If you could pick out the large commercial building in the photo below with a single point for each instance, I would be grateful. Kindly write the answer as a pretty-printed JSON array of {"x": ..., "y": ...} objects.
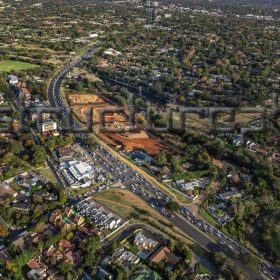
[{"x": 81, "y": 170}]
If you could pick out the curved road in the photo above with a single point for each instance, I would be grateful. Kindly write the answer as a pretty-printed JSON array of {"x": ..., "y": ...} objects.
[{"x": 191, "y": 227}]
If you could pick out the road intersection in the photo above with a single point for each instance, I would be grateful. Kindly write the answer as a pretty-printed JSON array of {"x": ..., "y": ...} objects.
[{"x": 208, "y": 237}]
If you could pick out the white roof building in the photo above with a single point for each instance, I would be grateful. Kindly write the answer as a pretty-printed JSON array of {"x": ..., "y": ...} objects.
[
  {"x": 49, "y": 126},
  {"x": 142, "y": 241},
  {"x": 93, "y": 35},
  {"x": 81, "y": 170},
  {"x": 112, "y": 52},
  {"x": 13, "y": 80}
]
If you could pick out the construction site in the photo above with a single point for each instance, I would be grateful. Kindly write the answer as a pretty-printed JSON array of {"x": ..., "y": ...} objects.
[{"x": 127, "y": 141}]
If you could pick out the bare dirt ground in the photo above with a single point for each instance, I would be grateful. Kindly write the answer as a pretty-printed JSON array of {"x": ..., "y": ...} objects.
[
  {"x": 151, "y": 146},
  {"x": 79, "y": 98}
]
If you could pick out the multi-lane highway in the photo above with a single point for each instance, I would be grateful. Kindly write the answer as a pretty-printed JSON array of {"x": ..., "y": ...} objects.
[{"x": 204, "y": 234}]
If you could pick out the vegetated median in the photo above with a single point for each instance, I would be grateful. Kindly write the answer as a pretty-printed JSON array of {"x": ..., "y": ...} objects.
[
  {"x": 129, "y": 206},
  {"x": 149, "y": 177}
]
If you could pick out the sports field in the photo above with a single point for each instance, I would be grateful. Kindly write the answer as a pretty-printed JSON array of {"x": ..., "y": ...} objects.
[{"x": 8, "y": 65}]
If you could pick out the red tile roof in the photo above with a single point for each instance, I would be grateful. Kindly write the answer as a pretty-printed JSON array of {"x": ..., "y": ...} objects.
[
  {"x": 64, "y": 244},
  {"x": 33, "y": 264},
  {"x": 163, "y": 253}
]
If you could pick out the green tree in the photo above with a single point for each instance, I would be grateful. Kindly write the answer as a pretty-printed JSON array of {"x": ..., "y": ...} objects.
[
  {"x": 65, "y": 267},
  {"x": 176, "y": 163},
  {"x": 158, "y": 88},
  {"x": 62, "y": 197},
  {"x": 16, "y": 147},
  {"x": 173, "y": 206},
  {"x": 39, "y": 155},
  {"x": 161, "y": 158},
  {"x": 90, "y": 249},
  {"x": 3, "y": 230}
]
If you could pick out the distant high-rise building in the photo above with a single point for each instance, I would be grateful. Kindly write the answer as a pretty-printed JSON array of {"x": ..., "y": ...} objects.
[
  {"x": 148, "y": 3},
  {"x": 151, "y": 9},
  {"x": 154, "y": 16}
]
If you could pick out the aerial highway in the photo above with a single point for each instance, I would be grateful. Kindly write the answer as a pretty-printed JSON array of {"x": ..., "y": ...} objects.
[{"x": 208, "y": 237}]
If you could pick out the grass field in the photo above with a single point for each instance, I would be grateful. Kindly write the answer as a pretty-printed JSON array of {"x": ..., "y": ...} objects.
[
  {"x": 33, "y": 47},
  {"x": 125, "y": 203},
  {"x": 129, "y": 206},
  {"x": 8, "y": 65},
  {"x": 46, "y": 172},
  {"x": 193, "y": 120},
  {"x": 91, "y": 77}
]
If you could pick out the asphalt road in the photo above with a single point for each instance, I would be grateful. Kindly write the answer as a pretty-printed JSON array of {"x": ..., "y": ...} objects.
[
  {"x": 208, "y": 244},
  {"x": 139, "y": 185}
]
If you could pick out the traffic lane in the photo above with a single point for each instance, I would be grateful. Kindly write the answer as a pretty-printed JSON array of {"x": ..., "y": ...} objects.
[
  {"x": 213, "y": 232},
  {"x": 209, "y": 245},
  {"x": 193, "y": 233},
  {"x": 269, "y": 271},
  {"x": 56, "y": 92}
]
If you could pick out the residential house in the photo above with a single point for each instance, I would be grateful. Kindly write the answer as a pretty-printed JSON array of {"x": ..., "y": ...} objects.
[
  {"x": 2, "y": 99},
  {"x": 27, "y": 181},
  {"x": 22, "y": 206},
  {"x": 102, "y": 217},
  {"x": 122, "y": 256},
  {"x": 7, "y": 191},
  {"x": 65, "y": 154},
  {"x": 23, "y": 92},
  {"x": 5, "y": 256},
  {"x": 19, "y": 241},
  {"x": 141, "y": 157},
  {"x": 66, "y": 220},
  {"x": 232, "y": 193},
  {"x": 142, "y": 242},
  {"x": 275, "y": 156},
  {"x": 13, "y": 80},
  {"x": 111, "y": 52},
  {"x": 203, "y": 276},
  {"x": 65, "y": 251},
  {"x": 164, "y": 254},
  {"x": 45, "y": 195},
  {"x": 237, "y": 140},
  {"x": 89, "y": 231},
  {"x": 39, "y": 270},
  {"x": 142, "y": 272},
  {"x": 104, "y": 274},
  {"x": 33, "y": 239}
]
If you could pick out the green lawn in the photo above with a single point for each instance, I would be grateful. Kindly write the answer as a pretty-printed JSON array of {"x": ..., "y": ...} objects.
[
  {"x": 46, "y": 172},
  {"x": 208, "y": 218},
  {"x": 2, "y": 221},
  {"x": 132, "y": 248},
  {"x": 15, "y": 186},
  {"x": 8, "y": 65}
]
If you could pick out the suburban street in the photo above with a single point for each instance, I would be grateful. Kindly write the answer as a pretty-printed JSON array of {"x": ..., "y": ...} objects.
[{"x": 208, "y": 237}]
